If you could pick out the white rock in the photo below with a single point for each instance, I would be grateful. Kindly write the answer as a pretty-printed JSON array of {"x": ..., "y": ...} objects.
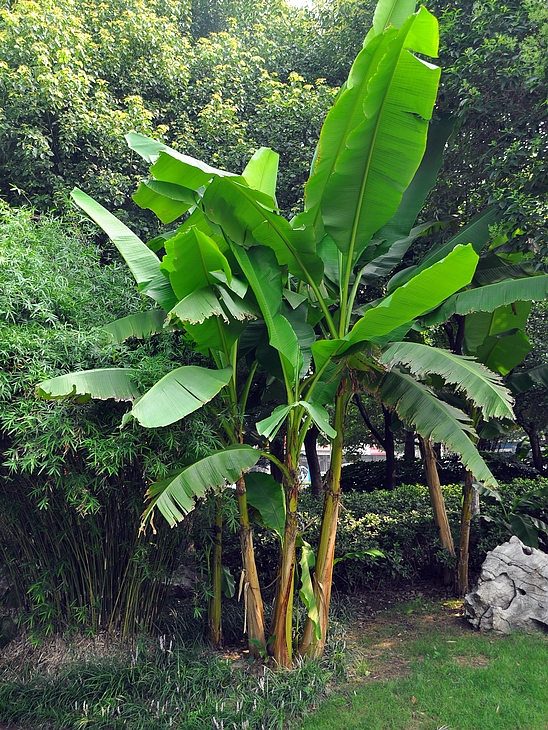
[{"x": 512, "y": 591}]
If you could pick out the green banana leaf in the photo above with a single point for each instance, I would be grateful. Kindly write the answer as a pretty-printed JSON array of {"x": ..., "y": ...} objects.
[
  {"x": 175, "y": 496},
  {"x": 179, "y": 393},
  {"x": 142, "y": 262},
  {"x": 190, "y": 260},
  {"x": 247, "y": 216},
  {"x": 166, "y": 200},
  {"x": 417, "y": 405},
  {"x": 382, "y": 153},
  {"x": 481, "y": 385},
  {"x": 140, "y": 325},
  {"x": 480, "y": 325},
  {"x": 261, "y": 172},
  {"x": 502, "y": 352},
  {"x": 420, "y": 294},
  {"x": 267, "y": 495},
  {"x": 489, "y": 298},
  {"x": 476, "y": 232},
  {"x": 520, "y": 382},
  {"x": 104, "y": 383}
]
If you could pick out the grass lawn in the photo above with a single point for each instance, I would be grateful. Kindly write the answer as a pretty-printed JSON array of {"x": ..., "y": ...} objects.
[
  {"x": 419, "y": 665},
  {"x": 414, "y": 665}
]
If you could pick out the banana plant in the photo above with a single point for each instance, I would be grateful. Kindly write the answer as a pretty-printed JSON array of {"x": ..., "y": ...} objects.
[{"x": 305, "y": 275}]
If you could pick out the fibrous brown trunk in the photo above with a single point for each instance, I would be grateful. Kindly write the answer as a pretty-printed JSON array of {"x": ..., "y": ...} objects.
[
  {"x": 310, "y": 448},
  {"x": 437, "y": 501},
  {"x": 314, "y": 638},
  {"x": 536, "y": 452},
  {"x": 281, "y": 628},
  {"x": 462, "y": 569},
  {"x": 253, "y": 602}
]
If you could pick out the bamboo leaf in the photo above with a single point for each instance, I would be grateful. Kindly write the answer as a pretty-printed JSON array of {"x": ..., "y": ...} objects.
[
  {"x": 267, "y": 495},
  {"x": 175, "y": 496},
  {"x": 104, "y": 383},
  {"x": 179, "y": 393},
  {"x": 481, "y": 386}
]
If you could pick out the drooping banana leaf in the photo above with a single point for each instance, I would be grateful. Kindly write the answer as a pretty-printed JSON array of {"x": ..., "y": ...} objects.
[
  {"x": 179, "y": 393},
  {"x": 140, "y": 325},
  {"x": 104, "y": 383},
  {"x": 142, "y": 262},
  {"x": 417, "y": 405},
  {"x": 520, "y": 382},
  {"x": 479, "y": 326},
  {"x": 481, "y": 385},
  {"x": 166, "y": 200},
  {"x": 489, "y": 298},
  {"x": 502, "y": 352},
  {"x": 175, "y": 496},
  {"x": 306, "y": 591}
]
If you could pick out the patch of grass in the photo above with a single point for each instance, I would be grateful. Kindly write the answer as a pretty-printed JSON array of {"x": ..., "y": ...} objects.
[
  {"x": 162, "y": 685},
  {"x": 455, "y": 680}
]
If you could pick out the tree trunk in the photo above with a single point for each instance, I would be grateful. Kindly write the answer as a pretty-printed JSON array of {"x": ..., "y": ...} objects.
[
  {"x": 253, "y": 600},
  {"x": 462, "y": 570},
  {"x": 437, "y": 501},
  {"x": 389, "y": 448},
  {"x": 535, "y": 448},
  {"x": 214, "y": 610},
  {"x": 310, "y": 448},
  {"x": 409, "y": 448},
  {"x": 281, "y": 630},
  {"x": 311, "y": 645}
]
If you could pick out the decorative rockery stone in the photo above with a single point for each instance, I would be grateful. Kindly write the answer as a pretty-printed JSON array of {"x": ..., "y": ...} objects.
[{"x": 512, "y": 591}]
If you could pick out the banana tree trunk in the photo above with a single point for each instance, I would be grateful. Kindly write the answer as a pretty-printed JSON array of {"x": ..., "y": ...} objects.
[
  {"x": 214, "y": 611},
  {"x": 311, "y": 645},
  {"x": 281, "y": 630},
  {"x": 253, "y": 600},
  {"x": 437, "y": 501},
  {"x": 462, "y": 569}
]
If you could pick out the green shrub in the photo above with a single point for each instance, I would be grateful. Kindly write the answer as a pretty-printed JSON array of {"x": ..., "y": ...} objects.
[{"x": 72, "y": 481}]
